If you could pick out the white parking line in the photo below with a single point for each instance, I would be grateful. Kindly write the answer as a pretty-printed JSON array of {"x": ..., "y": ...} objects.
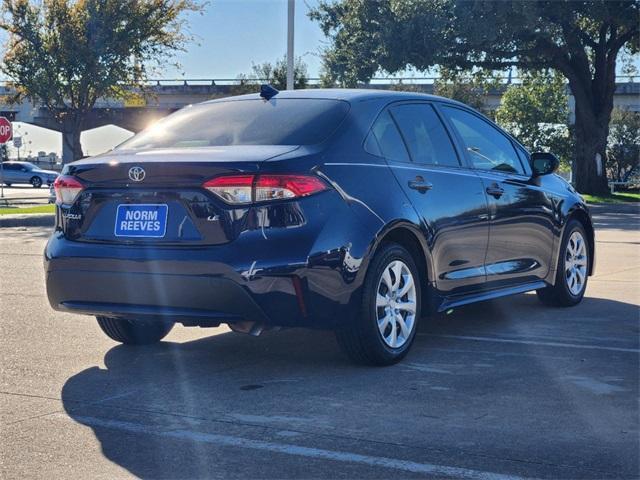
[
  {"x": 289, "y": 449},
  {"x": 533, "y": 342}
]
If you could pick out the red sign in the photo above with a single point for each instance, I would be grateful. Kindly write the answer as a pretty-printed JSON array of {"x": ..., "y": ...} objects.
[{"x": 6, "y": 130}]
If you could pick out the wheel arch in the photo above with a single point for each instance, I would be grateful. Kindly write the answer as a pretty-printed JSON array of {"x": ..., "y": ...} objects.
[
  {"x": 582, "y": 216},
  {"x": 412, "y": 239}
]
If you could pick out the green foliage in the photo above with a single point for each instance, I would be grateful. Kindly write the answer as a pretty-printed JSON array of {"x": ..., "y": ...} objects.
[
  {"x": 273, "y": 74},
  {"x": 618, "y": 198},
  {"x": 391, "y": 35},
  {"x": 467, "y": 87},
  {"x": 623, "y": 146},
  {"x": 536, "y": 112},
  {"x": 581, "y": 39},
  {"x": 21, "y": 210},
  {"x": 65, "y": 54}
]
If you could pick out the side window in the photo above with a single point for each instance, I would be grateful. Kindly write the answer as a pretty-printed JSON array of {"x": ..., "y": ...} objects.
[
  {"x": 12, "y": 167},
  {"x": 371, "y": 145},
  {"x": 389, "y": 139},
  {"x": 488, "y": 148},
  {"x": 426, "y": 138}
]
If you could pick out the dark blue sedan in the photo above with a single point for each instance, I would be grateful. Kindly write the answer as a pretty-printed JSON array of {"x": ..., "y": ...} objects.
[{"x": 353, "y": 210}]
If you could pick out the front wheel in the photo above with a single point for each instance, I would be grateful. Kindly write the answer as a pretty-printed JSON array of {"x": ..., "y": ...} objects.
[
  {"x": 36, "y": 182},
  {"x": 386, "y": 327},
  {"x": 134, "y": 332},
  {"x": 572, "y": 271}
]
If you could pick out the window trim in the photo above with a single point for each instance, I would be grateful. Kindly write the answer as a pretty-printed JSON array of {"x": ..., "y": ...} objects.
[
  {"x": 461, "y": 157},
  {"x": 406, "y": 143},
  {"x": 511, "y": 140},
  {"x": 370, "y": 132}
]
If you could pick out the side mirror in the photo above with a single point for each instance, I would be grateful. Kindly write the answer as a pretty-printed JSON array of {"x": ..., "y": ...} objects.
[{"x": 543, "y": 163}]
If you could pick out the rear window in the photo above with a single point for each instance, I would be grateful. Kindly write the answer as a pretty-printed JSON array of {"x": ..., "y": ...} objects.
[{"x": 245, "y": 122}]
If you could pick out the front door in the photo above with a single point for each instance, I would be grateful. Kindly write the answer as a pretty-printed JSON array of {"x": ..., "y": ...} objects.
[
  {"x": 448, "y": 197},
  {"x": 522, "y": 215}
]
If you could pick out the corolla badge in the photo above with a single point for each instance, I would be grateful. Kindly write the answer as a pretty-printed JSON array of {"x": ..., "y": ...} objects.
[{"x": 137, "y": 174}]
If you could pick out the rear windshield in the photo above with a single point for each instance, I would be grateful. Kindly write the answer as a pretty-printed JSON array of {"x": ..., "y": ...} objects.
[{"x": 245, "y": 122}]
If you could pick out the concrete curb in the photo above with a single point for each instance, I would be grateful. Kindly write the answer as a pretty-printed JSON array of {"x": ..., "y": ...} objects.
[{"x": 28, "y": 220}]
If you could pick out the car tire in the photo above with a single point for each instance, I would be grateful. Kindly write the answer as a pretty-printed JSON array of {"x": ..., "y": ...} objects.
[
  {"x": 8, "y": 184},
  {"x": 36, "y": 182},
  {"x": 572, "y": 271},
  {"x": 133, "y": 332},
  {"x": 376, "y": 336}
]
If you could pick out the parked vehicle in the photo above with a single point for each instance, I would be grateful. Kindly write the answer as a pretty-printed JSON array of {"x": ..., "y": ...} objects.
[
  {"x": 25, "y": 172},
  {"x": 353, "y": 210}
]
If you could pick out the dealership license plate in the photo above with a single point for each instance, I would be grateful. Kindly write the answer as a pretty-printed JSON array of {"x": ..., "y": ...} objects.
[{"x": 141, "y": 220}]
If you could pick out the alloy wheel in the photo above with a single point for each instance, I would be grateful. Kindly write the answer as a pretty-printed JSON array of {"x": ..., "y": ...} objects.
[
  {"x": 396, "y": 304},
  {"x": 575, "y": 263}
]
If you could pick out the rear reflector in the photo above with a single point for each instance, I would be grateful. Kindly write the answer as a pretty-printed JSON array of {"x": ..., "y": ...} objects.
[
  {"x": 243, "y": 189},
  {"x": 67, "y": 189}
]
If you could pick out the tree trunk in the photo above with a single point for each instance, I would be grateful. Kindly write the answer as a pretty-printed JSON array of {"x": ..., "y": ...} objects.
[
  {"x": 71, "y": 147},
  {"x": 591, "y": 132}
]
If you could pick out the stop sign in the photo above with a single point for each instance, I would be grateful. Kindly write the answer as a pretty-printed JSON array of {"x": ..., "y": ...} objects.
[{"x": 6, "y": 130}]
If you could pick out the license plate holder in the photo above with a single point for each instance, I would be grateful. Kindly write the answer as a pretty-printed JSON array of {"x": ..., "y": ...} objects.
[{"x": 141, "y": 220}]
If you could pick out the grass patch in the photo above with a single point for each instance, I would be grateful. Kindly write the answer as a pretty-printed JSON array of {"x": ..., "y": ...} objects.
[
  {"x": 20, "y": 210},
  {"x": 619, "y": 197}
]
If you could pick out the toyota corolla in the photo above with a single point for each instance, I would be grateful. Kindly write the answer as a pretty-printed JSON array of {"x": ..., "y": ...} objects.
[{"x": 353, "y": 210}]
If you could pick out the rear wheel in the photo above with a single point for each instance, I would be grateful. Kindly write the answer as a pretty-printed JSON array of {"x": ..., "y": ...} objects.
[
  {"x": 36, "y": 182},
  {"x": 134, "y": 332},
  {"x": 386, "y": 327},
  {"x": 572, "y": 271}
]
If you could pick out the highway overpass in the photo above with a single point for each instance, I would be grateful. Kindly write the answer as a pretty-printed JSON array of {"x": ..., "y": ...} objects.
[{"x": 162, "y": 97}]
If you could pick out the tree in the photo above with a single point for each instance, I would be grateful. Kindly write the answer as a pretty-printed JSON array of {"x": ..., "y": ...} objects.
[
  {"x": 536, "y": 112},
  {"x": 623, "y": 149},
  {"x": 66, "y": 54},
  {"x": 274, "y": 74},
  {"x": 580, "y": 39},
  {"x": 466, "y": 87}
]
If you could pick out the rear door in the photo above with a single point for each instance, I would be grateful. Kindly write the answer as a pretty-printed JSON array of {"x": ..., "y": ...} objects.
[
  {"x": 522, "y": 214},
  {"x": 10, "y": 172},
  {"x": 448, "y": 197}
]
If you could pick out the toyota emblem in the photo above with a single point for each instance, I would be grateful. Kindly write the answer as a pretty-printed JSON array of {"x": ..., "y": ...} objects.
[{"x": 137, "y": 174}]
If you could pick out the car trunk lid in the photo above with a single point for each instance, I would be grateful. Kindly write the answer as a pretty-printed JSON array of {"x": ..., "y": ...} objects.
[{"x": 158, "y": 195}]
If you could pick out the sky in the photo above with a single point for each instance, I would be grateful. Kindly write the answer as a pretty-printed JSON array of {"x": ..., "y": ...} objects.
[{"x": 231, "y": 35}]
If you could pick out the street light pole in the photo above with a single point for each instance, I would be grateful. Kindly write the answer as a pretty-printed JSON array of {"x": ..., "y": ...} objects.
[{"x": 291, "y": 10}]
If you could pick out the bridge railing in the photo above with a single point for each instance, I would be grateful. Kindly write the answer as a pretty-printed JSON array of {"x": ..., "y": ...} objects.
[{"x": 314, "y": 81}]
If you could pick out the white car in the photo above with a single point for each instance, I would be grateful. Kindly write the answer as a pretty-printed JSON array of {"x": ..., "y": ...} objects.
[{"x": 25, "y": 172}]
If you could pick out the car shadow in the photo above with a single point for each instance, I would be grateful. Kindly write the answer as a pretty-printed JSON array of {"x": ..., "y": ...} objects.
[{"x": 298, "y": 381}]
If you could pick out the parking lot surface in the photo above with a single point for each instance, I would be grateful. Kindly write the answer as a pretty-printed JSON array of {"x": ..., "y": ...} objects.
[{"x": 501, "y": 390}]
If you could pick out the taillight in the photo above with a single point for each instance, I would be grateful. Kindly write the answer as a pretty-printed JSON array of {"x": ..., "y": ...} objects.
[
  {"x": 243, "y": 189},
  {"x": 67, "y": 189}
]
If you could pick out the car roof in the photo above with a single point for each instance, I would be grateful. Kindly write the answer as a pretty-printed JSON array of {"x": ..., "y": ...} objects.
[{"x": 348, "y": 94}]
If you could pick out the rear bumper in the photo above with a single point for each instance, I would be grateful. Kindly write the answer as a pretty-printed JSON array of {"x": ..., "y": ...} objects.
[
  {"x": 306, "y": 276},
  {"x": 188, "y": 299},
  {"x": 194, "y": 286}
]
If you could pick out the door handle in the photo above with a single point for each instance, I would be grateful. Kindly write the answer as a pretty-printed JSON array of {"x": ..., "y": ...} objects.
[
  {"x": 420, "y": 185},
  {"x": 495, "y": 190}
]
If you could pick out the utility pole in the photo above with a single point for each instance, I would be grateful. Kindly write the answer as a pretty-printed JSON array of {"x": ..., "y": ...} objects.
[{"x": 291, "y": 11}]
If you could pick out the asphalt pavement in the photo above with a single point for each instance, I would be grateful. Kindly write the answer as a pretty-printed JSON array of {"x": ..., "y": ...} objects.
[{"x": 501, "y": 390}]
